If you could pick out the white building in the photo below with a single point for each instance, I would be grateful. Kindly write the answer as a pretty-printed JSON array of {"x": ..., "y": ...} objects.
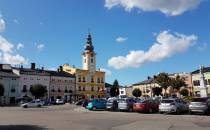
[
  {"x": 31, "y": 76},
  {"x": 201, "y": 80},
  {"x": 122, "y": 91},
  {"x": 10, "y": 82}
]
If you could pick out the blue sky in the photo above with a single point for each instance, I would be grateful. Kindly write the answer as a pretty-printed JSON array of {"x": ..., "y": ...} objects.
[{"x": 170, "y": 37}]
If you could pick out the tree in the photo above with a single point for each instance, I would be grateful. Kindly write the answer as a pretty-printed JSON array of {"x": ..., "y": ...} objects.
[
  {"x": 163, "y": 80},
  {"x": 156, "y": 91},
  {"x": 1, "y": 91},
  {"x": 177, "y": 83},
  {"x": 38, "y": 90},
  {"x": 136, "y": 92},
  {"x": 114, "y": 91},
  {"x": 184, "y": 92}
]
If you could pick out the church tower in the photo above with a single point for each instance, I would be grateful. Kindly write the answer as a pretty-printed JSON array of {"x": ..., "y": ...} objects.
[{"x": 89, "y": 56}]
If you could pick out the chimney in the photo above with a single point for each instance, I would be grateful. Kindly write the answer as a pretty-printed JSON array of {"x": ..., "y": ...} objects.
[{"x": 33, "y": 66}]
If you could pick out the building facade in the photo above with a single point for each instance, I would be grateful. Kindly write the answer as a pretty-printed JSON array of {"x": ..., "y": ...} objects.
[
  {"x": 89, "y": 81},
  {"x": 62, "y": 85},
  {"x": 196, "y": 80},
  {"x": 10, "y": 83},
  {"x": 31, "y": 76}
]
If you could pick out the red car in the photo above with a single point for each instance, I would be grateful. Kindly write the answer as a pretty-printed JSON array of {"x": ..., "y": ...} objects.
[{"x": 146, "y": 105}]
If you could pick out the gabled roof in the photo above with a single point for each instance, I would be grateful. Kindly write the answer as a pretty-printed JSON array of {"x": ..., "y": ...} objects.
[
  {"x": 148, "y": 81},
  {"x": 205, "y": 69}
]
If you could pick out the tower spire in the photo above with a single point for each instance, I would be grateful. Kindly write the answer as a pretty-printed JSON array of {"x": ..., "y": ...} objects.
[{"x": 88, "y": 45}]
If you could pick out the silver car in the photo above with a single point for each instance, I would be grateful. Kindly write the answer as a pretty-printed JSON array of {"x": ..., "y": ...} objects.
[
  {"x": 173, "y": 105},
  {"x": 201, "y": 105},
  {"x": 125, "y": 104}
]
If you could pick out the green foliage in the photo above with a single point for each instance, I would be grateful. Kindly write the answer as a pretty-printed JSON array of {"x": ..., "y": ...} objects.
[
  {"x": 177, "y": 82},
  {"x": 114, "y": 91},
  {"x": 1, "y": 90},
  {"x": 184, "y": 92},
  {"x": 137, "y": 92},
  {"x": 38, "y": 90},
  {"x": 163, "y": 80},
  {"x": 156, "y": 91}
]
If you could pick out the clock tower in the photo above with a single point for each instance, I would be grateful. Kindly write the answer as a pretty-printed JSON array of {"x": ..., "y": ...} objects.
[{"x": 89, "y": 56}]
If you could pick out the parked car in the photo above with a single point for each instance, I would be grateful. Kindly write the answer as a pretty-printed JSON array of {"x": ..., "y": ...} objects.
[
  {"x": 173, "y": 105},
  {"x": 79, "y": 102},
  {"x": 112, "y": 104},
  {"x": 147, "y": 105},
  {"x": 34, "y": 103},
  {"x": 97, "y": 104},
  {"x": 125, "y": 104},
  {"x": 60, "y": 101},
  {"x": 200, "y": 105}
]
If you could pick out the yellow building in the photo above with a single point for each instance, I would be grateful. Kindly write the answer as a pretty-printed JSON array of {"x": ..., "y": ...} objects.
[{"x": 89, "y": 81}]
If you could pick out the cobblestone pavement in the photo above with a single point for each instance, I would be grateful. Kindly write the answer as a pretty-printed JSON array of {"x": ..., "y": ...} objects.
[{"x": 71, "y": 117}]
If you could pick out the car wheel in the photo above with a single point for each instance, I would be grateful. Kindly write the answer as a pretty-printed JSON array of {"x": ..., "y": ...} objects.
[
  {"x": 25, "y": 106},
  {"x": 39, "y": 105},
  {"x": 177, "y": 111},
  {"x": 150, "y": 110},
  {"x": 94, "y": 108},
  {"x": 130, "y": 109}
]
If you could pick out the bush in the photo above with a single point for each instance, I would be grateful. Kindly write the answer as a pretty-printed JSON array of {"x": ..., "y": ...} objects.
[
  {"x": 137, "y": 92},
  {"x": 184, "y": 92}
]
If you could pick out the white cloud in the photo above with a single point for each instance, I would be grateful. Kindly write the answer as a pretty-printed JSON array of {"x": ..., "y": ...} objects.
[
  {"x": 168, "y": 7},
  {"x": 16, "y": 21},
  {"x": 19, "y": 46},
  {"x": 40, "y": 46},
  {"x": 107, "y": 72},
  {"x": 203, "y": 47},
  {"x": 121, "y": 39},
  {"x": 6, "y": 53},
  {"x": 2, "y": 25},
  {"x": 13, "y": 59},
  {"x": 5, "y": 46},
  {"x": 166, "y": 46}
]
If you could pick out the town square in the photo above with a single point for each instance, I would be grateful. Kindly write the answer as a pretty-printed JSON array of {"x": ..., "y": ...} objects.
[{"x": 104, "y": 65}]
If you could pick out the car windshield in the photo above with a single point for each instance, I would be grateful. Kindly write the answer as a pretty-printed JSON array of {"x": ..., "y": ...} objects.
[
  {"x": 122, "y": 100},
  {"x": 198, "y": 99},
  {"x": 167, "y": 101},
  {"x": 139, "y": 101},
  {"x": 111, "y": 100}
]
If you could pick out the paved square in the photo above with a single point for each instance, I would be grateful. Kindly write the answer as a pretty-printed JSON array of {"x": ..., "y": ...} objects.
[{"x": 71, "y": 117}]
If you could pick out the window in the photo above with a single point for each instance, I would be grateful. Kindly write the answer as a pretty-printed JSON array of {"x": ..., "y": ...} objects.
[
  {"x": 79, "y": 78},
  {"x": 79, "y": 88},
  {"x": 91, "y": 60},
  {"x": 98, "y": 80},
  {"x": 83, "y": 79},
  {"x": 83, "y": 88},
  {"x": 92, "y": 89},
  {"x": 59, "y": 90},
  {"x": 98, "y": 89},
  {"x": 92, "y": 79},
  {"x": 122, "y": 92},
  {"x": 85, "y": 60},
  {"x": 102, "y": 80},
  {"x": 206, "y": 82},
  {"x": 196, "y": 83},
  {"x": 209, "y": 81},
  {"x": 24, "y": 88}
]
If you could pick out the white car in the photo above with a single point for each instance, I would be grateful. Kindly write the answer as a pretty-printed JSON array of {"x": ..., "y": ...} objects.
[
  {"x": 173, "y": 105},
  {"x": 59, "y": 101},
  {"x": 34, "y": 103}
]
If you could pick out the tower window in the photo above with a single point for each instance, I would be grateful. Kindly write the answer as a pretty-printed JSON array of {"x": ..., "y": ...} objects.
[
  {"x": 85, "y": 60},
  {"x": 83, "y": 79},
  {"x": 83, "y": 88},
  {"x": 91, "y": 60},
  {"x": 98, "y": 80},
  {"x": 92, "y": 79},
  {"x": 79, "y": 88},
  {"x": 92, "y": 89}
]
